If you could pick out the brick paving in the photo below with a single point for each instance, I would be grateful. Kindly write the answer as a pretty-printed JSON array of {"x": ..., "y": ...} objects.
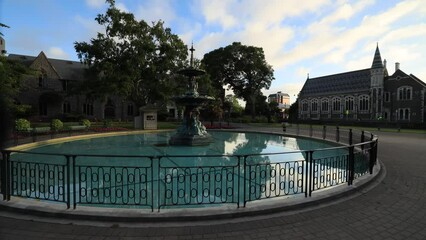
[{"x": 394, "y": 209}]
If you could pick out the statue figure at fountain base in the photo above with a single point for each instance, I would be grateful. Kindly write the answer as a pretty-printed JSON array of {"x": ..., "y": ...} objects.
[{"x": 191, "y": 132}]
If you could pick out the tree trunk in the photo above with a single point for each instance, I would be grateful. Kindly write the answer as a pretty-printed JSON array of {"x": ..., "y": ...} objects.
[{"x": 253, "y": 106}]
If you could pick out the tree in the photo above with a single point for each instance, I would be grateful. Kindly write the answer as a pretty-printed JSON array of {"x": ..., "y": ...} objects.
[
  {"x": 132, "y": 59},
  {"x": 293, "y": 112},
  {"x": 5, "y": 26},
  {"x": 243, "y": 68}
]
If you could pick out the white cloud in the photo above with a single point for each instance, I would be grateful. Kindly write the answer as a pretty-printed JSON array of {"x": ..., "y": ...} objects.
[
  {"x": 122, "y": 7},
  {"x": 95, "y": 3},
  {"x": 152, "y": 11},
  {"x": 57, "y": 52}
]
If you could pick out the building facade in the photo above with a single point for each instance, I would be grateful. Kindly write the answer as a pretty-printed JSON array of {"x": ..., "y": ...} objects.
[
  {"x": 365, "y": 95},
  {"x": 50, "y": 96},
  {"x": 283, "y": 100}
]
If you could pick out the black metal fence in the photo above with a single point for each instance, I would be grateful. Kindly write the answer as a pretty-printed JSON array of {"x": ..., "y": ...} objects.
[{"x": 158, "y": 182}]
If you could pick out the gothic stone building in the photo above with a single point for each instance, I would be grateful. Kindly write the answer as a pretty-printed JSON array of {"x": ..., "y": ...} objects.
[
  {"x": 48, "y": 92},
  {"x": 365, "y": 95}
]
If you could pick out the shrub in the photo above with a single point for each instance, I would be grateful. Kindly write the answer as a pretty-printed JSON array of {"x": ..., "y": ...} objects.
[
  {"x": 22, "y": 124},
  {"x": 107, "y": 123},
  {"x": 56, "y": 125},
  {"x": 85, "y": 122}
]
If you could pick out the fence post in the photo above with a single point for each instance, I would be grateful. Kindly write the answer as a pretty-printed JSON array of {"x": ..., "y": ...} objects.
[
  {"x": 324, "y": 131},
  {"x": 5, "y": 175},
  {"x": 74, "y": 183},
  {"x": 350, "y": 136},
  {"x": 311, "y": 172},
  {"x": 155, "y": 181},
  {"x": 351, "y": 167},
  {"x": 362, "y": 139},
  {"x": 68, "y": 185},
  {"x": 373, "y": 155},
  {"x": 310, "y": 130},
  {"x": 337, "y": 134},
  {"x": 242, "y": 181}
]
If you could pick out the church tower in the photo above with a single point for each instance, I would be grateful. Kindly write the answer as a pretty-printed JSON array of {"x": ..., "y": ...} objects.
[{"x": 378, "y": 71}]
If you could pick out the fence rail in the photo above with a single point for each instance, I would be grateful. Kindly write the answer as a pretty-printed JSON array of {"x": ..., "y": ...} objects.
[{"x": 158, "y": 182}]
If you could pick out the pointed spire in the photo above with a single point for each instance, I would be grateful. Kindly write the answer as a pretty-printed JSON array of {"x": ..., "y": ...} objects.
[{"x": 377, "y": 61}]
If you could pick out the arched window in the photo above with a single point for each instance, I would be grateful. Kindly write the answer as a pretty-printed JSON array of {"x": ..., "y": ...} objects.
[
  {"x": 349, "y": 103},
  {"x": 405, "y": 93},
  {"x": 407, "y": 114},
  {"x": 364, "y": 103},
  {"x": 336, "y": 104},
  {"x": 324, "y": 105},
  {"x": 314, "y": 105},
  {"x": 305, "y": 106}
]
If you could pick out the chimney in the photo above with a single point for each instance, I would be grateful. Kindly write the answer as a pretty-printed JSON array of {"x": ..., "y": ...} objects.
[{"x": 396, "y": 66}]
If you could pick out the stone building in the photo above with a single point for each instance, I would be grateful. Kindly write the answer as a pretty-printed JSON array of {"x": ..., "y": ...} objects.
[
  {"x": 365, "y": 95},
  {"x": 49, "y": 92}
]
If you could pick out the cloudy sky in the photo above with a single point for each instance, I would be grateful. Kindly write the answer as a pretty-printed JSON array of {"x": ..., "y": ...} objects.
[{"x": 319, "y": 37}]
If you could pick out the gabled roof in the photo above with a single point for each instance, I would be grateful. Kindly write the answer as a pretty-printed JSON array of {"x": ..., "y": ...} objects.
[
  {"x": 348, "y": 82},
  {"x": 402, "y": 74},
  {"x": 69, "y": 70}
]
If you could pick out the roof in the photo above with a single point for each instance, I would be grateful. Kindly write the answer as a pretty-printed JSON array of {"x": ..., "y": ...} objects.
[
  {"x": 348, "y": 82},
  {"x": 377, "y": 60},
  {"x": 402, "y": 74},
  {"x": 70, "y": 70}
]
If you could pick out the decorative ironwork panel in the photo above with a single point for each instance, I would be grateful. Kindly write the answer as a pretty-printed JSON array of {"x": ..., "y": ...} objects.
[
  {"x": 264, "y": 179},
  {"x": 329, "y": 171},
  {"x": 206, "y": 183},
  {"x": 45, "y": 181},
  {"x": 114, "y": 185}
]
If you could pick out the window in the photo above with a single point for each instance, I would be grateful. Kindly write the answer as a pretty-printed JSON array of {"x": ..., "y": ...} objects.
[
  {"x": 364, "y": 102},
  {"x": 314, "y": 105},
  {"x": 336, "y": 104},
  {"x": 405, "y": 93},
  {"x": 305, "y": 106},
  {"x": 42, "y": 79},
  {"x": 387, "y": 96},
  {"x": 88, "y": 109},
  {"x": 130, "y": 109},
  {"x": 324, "y": 105},
  {"x": 403, "y": 114},
  {"x": 349, "y": 103},
  {"x": 66, "y": 107},
  {"x": 65, "y": 85}
]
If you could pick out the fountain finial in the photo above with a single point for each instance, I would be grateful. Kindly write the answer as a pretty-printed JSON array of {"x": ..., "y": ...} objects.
[{"x": 192, "y": 55}]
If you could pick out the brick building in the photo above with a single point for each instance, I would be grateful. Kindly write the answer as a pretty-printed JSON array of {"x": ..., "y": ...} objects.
[{"x": 365, "y": 95}]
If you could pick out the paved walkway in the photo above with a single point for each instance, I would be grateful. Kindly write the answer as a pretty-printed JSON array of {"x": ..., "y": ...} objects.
[{"x": 394, "y": 209}]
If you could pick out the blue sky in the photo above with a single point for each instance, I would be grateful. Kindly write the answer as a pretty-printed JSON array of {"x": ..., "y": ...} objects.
[{"x": 319, "y": 37}]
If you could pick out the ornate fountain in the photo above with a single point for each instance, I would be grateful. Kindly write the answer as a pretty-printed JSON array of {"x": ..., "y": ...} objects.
[{"x": 191, "y": 132}]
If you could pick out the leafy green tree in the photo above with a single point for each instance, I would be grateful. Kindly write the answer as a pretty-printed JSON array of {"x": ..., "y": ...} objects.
[
  {"x": 243, "y": 68},
  {"x": 234, "y": 106},
  {"x": 132, "y": 58}
]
